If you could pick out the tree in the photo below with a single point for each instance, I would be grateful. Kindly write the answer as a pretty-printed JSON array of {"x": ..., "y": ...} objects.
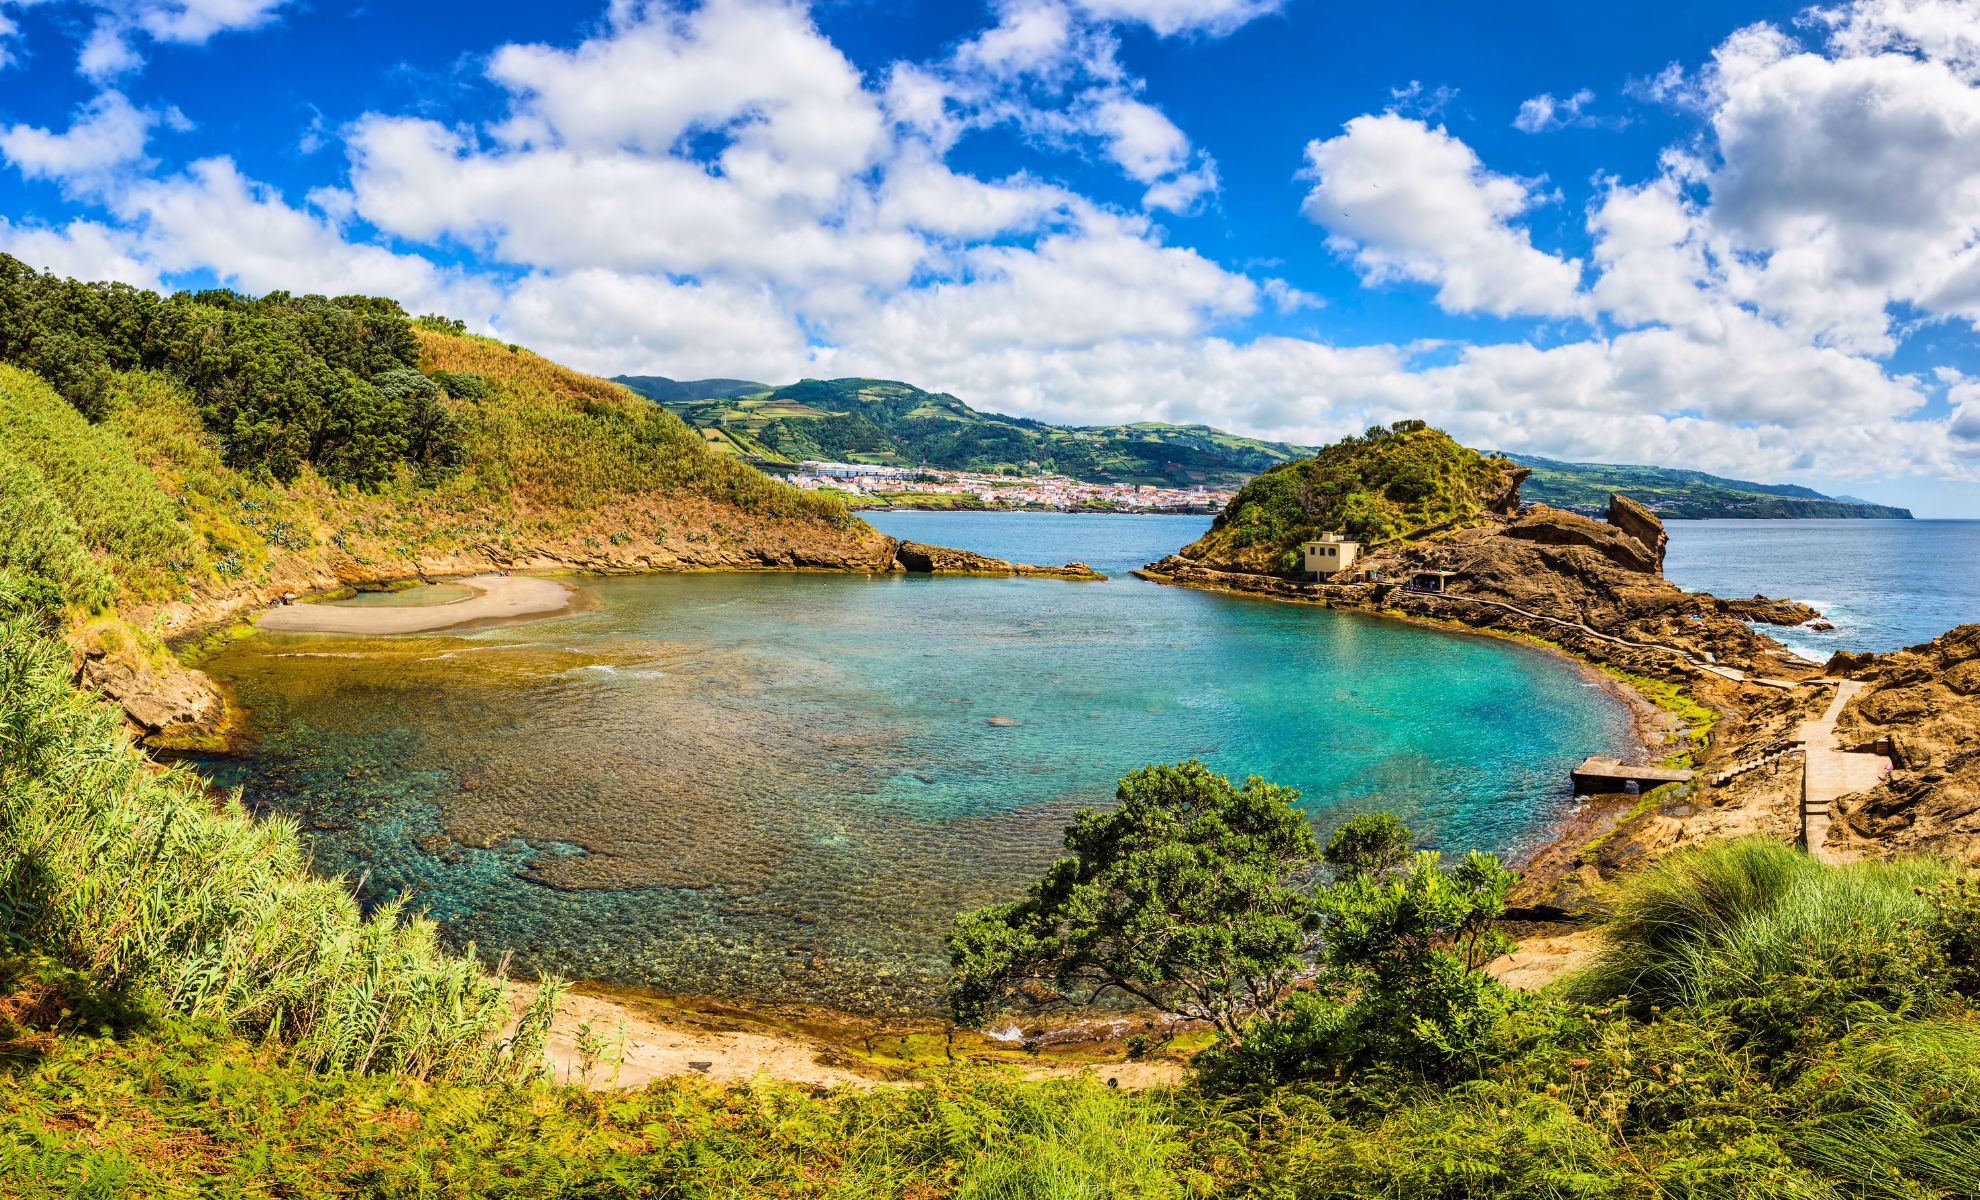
[
  {"x": 1402, "y": 986},
  {"x": 1368, "y": 844},
  {"x": 1184, "y": 897}
]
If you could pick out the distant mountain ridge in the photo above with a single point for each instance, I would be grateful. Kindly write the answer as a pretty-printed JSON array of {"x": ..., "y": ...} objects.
[
  {"x": 896, "y": 424},
  {"x": 1676, "y": 494},
  {"x": 888, "y": 423},
  {"x": 673, "y": 391}
]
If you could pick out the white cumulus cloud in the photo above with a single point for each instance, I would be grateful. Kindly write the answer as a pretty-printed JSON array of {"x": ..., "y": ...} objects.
[
  {"x": 107, "y": 133},
  {"x": 1408, "y": 202}
]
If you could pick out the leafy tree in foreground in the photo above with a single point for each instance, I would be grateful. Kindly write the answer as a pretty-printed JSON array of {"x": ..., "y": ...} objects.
[
  {"x": 1369, "y": 844},
  {"x": 1179, "y": 897},
  {"x": 1402, "y": 989}
]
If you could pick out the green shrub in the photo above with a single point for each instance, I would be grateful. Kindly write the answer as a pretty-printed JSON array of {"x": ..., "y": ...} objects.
[
  {"x": 1402, "y": 992},
  {"x": 464, "y": 385},
  {"x": 1385, "y": 484}
]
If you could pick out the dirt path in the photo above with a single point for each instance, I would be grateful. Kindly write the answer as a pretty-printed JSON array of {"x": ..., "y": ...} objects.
[
  {"x": 1540, "y": 960},
  {"x": 1831, "y": 773},
  {"x": 497, "y": 598}
]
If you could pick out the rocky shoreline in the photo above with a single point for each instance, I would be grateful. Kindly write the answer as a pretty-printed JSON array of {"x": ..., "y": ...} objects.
[{"x": 1591, "y": 590}]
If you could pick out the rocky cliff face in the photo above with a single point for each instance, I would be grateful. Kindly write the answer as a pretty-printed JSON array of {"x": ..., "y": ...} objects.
[
  {"x": 1638, "y": 522},
  {"x": 1925, "y": 701}
]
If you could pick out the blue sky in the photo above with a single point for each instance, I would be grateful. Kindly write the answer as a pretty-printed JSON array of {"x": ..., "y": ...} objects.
[{"x": 1737, "y": 237}]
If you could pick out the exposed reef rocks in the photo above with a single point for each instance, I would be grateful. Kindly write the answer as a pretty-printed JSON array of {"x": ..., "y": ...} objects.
[
  {"x": 1923, "y": 705},
  {"x": 923, "y": 558},
  {"x": 1768, "y": 611}
]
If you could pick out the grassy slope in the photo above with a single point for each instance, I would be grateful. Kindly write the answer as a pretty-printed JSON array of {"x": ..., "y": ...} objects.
[
  {"x": 1373, "y": 488},
  {"x": 893, "y": 424},
  {"x": 139, "y": 511},
  {"x": 1685, "y": 495}
]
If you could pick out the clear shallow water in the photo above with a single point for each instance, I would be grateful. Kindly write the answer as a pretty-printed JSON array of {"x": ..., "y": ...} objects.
[
  {"x": 1883, "y": 584},
  {"x": 785, "y": 786}
]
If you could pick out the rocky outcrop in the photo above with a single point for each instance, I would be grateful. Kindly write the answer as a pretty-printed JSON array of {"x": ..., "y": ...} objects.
[
  {"x": 1592, "y": 586},
  {"x": 1923, "y": 704},
  {"x": 1768, "y": 611},
  {"x": 169, "y": 706},
  {"x": 1558, "y": 527},
  {"x": 925, "y": 559},
  {"x": 1505, "y": 502},
  {"x": 1638, "y": 522}
]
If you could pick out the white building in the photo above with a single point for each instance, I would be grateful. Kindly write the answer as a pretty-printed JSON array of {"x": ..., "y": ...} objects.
[{"x": 1331, "y": 555}]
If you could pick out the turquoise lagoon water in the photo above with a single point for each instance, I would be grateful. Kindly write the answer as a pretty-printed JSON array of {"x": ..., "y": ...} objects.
[{"x": 785, "y": 785}]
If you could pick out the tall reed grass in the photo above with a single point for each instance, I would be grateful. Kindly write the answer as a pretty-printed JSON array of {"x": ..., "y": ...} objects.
[
  {"x": 175, "y": 900},
  {"x": 107, "y": 500},
  {"x": 1752, "y": 922}
]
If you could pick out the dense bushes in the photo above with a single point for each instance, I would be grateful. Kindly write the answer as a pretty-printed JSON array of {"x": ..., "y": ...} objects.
[
  {"x": 1677, "y": 1096},
  {"x": 1384, "y": 484},
  {"x": 1194, "y": 896},
  {"x": 282, "y": 380}
]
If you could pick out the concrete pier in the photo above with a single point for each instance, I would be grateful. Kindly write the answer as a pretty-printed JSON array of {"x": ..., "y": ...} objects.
[{"x": 1599, "y": 774}]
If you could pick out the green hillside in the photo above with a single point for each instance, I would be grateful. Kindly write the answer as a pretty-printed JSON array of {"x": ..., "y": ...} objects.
[
  {"x": 898, "y": 425},
  {"x": 674, "y": 391},
  {"x": 161, "y": 449},
  {"x": 893, "y": 424},
  {"x": 1686, "y": 495},
  {"x": 1386, "y": 483}
]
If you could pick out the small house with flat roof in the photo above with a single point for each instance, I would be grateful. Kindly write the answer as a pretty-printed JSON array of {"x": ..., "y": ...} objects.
[
  {"x": 1330, "y": 556},
  {"x": 1430, "y": 580}
]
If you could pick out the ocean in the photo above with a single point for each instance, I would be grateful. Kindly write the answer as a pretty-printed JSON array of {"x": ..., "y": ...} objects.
[{"x": 1882, "y": 584}]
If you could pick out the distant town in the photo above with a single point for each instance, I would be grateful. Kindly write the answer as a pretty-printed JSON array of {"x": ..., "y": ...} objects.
[{"x": 869, "y": 486}]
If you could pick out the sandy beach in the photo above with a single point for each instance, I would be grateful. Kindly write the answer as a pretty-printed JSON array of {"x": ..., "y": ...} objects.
[
  {"x": 497, "y": 598},
  {"x": 727, "y": 1045}
]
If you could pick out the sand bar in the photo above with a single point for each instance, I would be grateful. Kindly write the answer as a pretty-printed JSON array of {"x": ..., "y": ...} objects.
[{"x": 497, "y": 598}]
